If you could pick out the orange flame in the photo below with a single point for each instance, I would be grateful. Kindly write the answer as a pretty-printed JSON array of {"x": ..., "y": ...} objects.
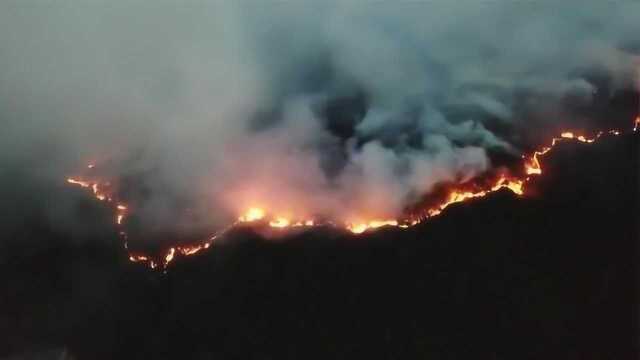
[
  {"x": 169, "y": 256},
  {"x": 359, "y": 228},
  {"x": 253, "y": 214},
  {"x": 190, "y": 250},
  {"x": 138, "y": 258},
  {"x": 456, "y": 196},
  {"x": 280, "y": 222},
  {"x": 532, "y": 166},
  {"x": 78, "y": 182}
]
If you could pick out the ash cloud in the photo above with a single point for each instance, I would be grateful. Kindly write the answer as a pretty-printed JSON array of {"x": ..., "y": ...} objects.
[{"x": 339, "y": 109}]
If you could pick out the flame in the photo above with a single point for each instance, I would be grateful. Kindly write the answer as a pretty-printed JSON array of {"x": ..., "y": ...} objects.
[
  {"x": 455, "y": 196},
  {"x": 280, "y": 222},
  {"x": 102, "y": 191},
  {"x": 252, "y": 214},
  {"x": 359, "y": 228},
  {"x": 532, "y": 164},
  {"x": 532, "y": 167},
  {"x": 138, "y": 258},
  {"x": 190, "y": 250},
  {"x": 78, "y": 182},
  {"x": 169, "y": 256}
]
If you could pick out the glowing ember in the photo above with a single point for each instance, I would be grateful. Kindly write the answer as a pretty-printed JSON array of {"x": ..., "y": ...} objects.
[
  {"x": 190, "y": 250},
  {"x": 138, "y": 258},
  {"x": 532, "y": 166}
]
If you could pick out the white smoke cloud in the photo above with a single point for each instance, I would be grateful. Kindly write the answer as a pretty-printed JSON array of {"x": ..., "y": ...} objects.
[{"x": 227, "y": 102}]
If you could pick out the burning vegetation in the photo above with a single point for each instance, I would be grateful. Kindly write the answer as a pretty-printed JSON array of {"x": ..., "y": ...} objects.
[{"x": 516, "y": 183}]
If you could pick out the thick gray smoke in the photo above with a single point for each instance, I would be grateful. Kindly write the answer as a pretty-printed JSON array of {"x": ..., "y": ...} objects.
[{"x": 335, "y": 108}]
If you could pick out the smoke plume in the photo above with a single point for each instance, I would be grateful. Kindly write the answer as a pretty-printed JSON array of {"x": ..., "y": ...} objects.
[{"x": 336, "y": 109}]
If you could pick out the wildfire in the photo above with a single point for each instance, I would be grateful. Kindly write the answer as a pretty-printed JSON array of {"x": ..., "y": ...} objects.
[
  {"x": 456, "y": 196},
  {"x": 256, "y": 214},
  {"x": 359, "y": 228},
  {"x": 79, "y": 182},
  {"x": 138, "y": 258},
  {"x": 532, "y": 164},
  {"x": 190, "y": 250},
  {"x": 516, "y": 184},
  {"x": 169, "y": 257},
  {"x": 253, "y": 214},
  {"x": 280, "y": 222}
]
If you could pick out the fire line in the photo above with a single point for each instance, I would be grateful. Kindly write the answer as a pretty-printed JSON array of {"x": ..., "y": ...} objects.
[{"x": 532, "y": 167}]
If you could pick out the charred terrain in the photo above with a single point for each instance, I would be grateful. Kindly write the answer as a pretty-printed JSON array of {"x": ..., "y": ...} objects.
[{"x": 549, "y": 275}]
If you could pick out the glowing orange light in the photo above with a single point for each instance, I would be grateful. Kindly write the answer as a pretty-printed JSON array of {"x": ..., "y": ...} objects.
[
  {"x": 138, "y": 258},
  {"x": 359, "y": 228},
  {"x": 532, "y": 166},
  {"x": 253, "y": 214},
  {"x": 279, "y": 222},
  {"x": 169, "y": 257},
  {"x": 78, "y": 182},
  {"x": 190, "y": 250}
]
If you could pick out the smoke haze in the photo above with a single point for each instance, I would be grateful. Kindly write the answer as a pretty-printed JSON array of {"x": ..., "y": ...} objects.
[{"x": 338, "y": 109}]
